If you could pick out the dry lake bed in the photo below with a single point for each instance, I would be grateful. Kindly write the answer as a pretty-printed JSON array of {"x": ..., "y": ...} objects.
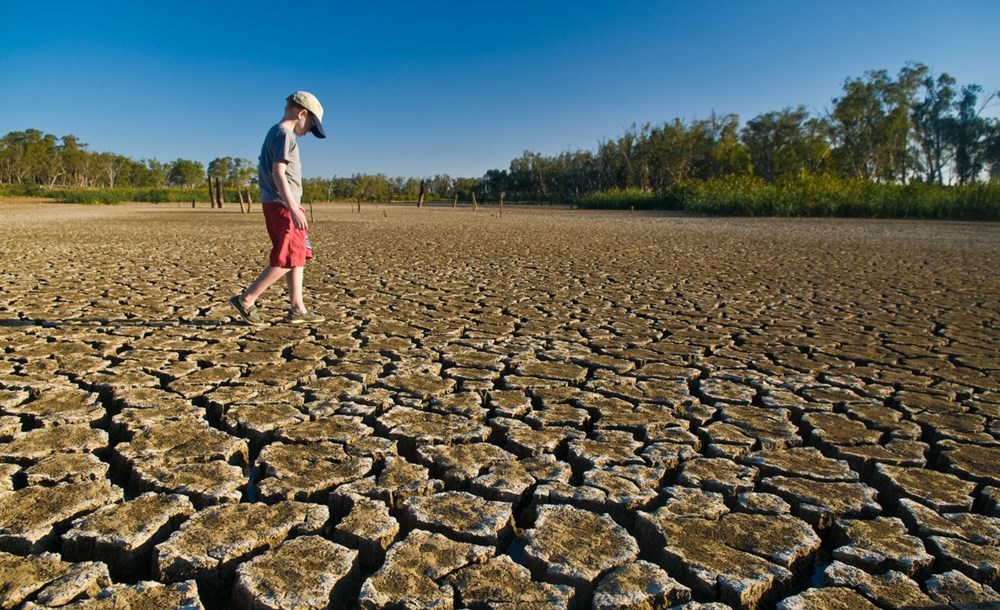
[{"x": 548, "y": 409}]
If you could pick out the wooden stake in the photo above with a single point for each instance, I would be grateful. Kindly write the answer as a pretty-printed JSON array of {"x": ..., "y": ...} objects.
[
  {"x": 475, "y": 206},
  {"x": 211, "y": 195},
  {"x": 218, "y": 191},
  {"x": 420, "y": 198},
  {"x": 239, "y": 192}
]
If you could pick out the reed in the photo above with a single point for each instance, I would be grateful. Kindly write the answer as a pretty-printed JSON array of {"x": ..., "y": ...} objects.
[{"x": 824, "y": 196}]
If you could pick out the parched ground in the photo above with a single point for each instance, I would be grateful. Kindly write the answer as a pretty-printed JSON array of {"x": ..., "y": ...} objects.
[{"x": 552, "y": 409}]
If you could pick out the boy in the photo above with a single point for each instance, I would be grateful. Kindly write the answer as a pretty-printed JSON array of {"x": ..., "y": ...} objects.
[{"x": 280, "y": 177}]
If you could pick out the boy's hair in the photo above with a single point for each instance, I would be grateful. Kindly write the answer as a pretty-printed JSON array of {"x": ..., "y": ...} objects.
[{"x": 303, "y": 100}]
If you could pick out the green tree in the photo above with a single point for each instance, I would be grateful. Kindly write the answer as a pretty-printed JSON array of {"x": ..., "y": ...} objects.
[
  {"x": 186, "y": 174},
  {"x": 110, "y": 166},
  {"x": 785, "y": 144},
  {"x": 440, "y": 186},
  {"x": 241, "y": 172},
  {"x": 871, "y": 125},
  {"x": 465, "y": 187},
  {"x": 49, "y": 167},
  {"x": 22, "y": 155},
  {"x": 672, "y": 149},
  {"x": 527, "y": 175},
  {"x": 993, "y": 149},
  {"x": 932, "y": 125},
  {"x": 368, "y": 187},
  {"x": 855, "y": 122},
  {"x": 969, "y": 135},
  {"x": 74, "y": 158},
  {"x": 156, "y": 172},
  {"x": 495, "y": 181},
  {"x": 723, "y": 152},
  {"x": 219, "y": 168}
]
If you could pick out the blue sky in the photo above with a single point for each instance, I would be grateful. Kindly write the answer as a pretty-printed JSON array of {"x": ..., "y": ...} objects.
[{"x": 421, "y": 88}]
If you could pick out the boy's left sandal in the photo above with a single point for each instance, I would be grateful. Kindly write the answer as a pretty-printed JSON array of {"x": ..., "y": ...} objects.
[{"x": 249, "y": 314}]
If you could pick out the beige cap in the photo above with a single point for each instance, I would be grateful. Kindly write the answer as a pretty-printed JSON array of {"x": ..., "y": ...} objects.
[{"x": 309, "y": 102}]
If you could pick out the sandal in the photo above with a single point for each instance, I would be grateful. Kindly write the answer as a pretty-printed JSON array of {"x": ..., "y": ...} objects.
[{"x": 249, "y": 314}]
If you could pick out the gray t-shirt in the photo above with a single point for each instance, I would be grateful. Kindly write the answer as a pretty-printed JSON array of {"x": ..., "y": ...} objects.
[{"x": 279, "y": 145}]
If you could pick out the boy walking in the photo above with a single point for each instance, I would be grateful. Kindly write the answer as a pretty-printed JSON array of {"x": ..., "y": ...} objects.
[{"x": 280, "y": 176}]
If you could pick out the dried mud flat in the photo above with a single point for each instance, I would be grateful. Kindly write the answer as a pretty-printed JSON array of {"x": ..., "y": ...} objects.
[{"x": 552, "y": 409}]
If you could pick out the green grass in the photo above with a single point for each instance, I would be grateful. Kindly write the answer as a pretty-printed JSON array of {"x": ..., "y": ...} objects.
[
  {"x": 628, "y": 199},
  {"x": 104, "y": 196},
  {"x": 823, "y": 196},
  {"x": 813, "y": 196}
]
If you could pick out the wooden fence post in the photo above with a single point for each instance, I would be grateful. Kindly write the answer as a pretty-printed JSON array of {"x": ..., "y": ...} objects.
[
  {"x": 239, "y": 192},
  {"x": 501, "y": 203},
  {"x": 475, "y": 206},
  {"x": 454, "y": 202},
  {"x": 249, "y": 199},
  {"x": 218, "y": 191},
  {"x": 211, "y": 195},
  {"x": 420, "y": 198}
]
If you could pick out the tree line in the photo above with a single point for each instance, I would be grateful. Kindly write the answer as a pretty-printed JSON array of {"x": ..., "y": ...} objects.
[
  {"x": 914, "y": 127},
  {"x": 45, "y": 160}
]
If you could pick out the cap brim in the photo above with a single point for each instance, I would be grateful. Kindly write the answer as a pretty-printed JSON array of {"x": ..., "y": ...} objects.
[{"x": 317, "y": 129}]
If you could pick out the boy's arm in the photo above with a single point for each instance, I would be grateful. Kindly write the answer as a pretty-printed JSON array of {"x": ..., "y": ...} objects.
[{"x": 298, "y": 214}]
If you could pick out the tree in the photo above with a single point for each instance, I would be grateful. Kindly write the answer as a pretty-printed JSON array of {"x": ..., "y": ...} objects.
[
  {"x": 21, "y": 156},
  {"x": 49, "y": 166},
  {"x": 464, "y": 187},
  {"x": 855, "y": 122},
  {"x": 495, "y": 182},
  {"x": 969, "y": 135},
  {"x": 186, "y": 174},
  {"x": 156, "y": 173},
  {"x": 785, "y": 144},
  {"x": 932, "y": 124},
  {"x": 110, "y": 165},
  {"x": 993, "y": 149},
  {"x": 241, "y": 172},
  {"x": 367, "y": 187},
  {"x": 219, "y": 168},
  {"x": 871, "y": 125},
  {"x": 532, "y": 174},
  {"x": 74, "y": 158},
  {"x": 724, "y": 154}
]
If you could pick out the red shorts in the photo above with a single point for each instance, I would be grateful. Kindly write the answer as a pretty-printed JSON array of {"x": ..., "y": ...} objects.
[{"x": 290, "y": 247}]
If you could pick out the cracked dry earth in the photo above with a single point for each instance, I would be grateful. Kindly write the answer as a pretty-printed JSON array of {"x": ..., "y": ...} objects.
[{"x": 552, "y": 409}]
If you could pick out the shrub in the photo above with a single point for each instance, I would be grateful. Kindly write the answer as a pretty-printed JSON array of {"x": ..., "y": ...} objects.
[
  {"x": 813, "y": 196},
  {"x": 628, "y": 199}
]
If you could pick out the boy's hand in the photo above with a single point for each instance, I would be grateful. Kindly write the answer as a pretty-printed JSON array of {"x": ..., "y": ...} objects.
[{"x": 299, "y": 218}]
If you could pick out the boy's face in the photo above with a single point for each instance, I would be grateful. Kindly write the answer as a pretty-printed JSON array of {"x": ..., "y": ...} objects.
[{"x": 303, "y": 122}]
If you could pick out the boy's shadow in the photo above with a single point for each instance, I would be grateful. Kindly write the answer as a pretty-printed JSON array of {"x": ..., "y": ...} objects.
[{"x": 108, "y": 322}]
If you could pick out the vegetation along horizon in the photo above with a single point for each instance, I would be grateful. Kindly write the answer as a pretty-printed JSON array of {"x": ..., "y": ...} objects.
[{"x": 913, "y": 145}]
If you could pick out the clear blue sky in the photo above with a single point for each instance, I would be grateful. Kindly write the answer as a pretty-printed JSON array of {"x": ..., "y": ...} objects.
[{"x": 420, "y": 88}]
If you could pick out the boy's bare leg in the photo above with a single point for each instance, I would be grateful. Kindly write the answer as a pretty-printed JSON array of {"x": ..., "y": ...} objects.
[
  {"x": 294, "y": 280},
  {"x": 267, "y": 277}
]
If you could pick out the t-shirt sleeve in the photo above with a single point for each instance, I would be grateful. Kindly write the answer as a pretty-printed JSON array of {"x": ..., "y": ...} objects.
[{"x": 285, "y": 148}]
